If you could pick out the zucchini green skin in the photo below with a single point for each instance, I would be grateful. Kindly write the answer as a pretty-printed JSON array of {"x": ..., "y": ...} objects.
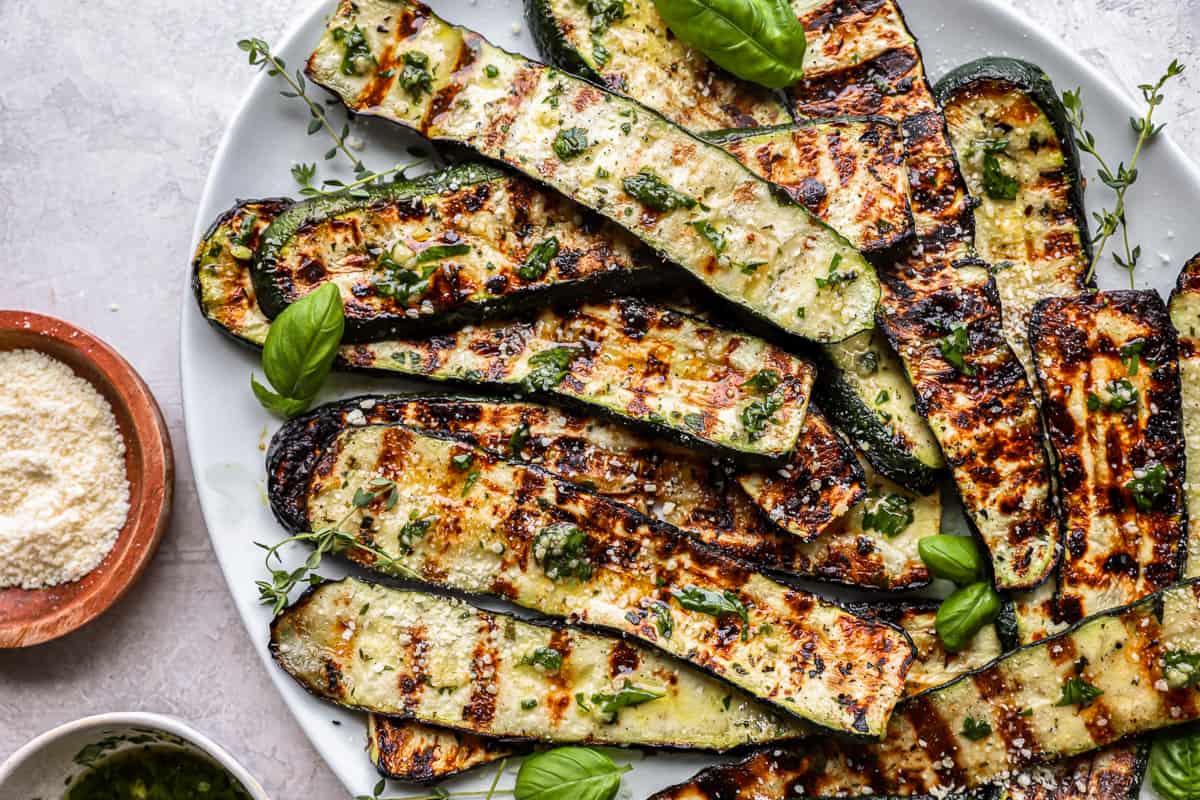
[
  {"x": 490, "y": 519},
  {"x": 924, "y": 752},
  {"x": 453, "y": 665},
  {"x": 410, "y": 751},
  {"x": 643, "y": 60},
  {"x": 1185, "y": 316},
  {"x": 862, "y": 383},
  {"x": 1037, "y": 243},
  {"x": 703, "y": 499},
  {"x": 629, "y": 360},
  {"x": 512, "y": 109},
  {"x": 863, "y": 60},
  {"x": 473, "y": 206},
  {"x": 1115, "y": 550}
]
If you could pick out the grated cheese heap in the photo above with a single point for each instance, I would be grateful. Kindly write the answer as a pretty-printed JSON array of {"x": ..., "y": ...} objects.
[{"x": 64, "y": 493}]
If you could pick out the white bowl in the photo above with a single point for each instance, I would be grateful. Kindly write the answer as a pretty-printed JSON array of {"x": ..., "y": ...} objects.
[{"x": 45, "y": 766}]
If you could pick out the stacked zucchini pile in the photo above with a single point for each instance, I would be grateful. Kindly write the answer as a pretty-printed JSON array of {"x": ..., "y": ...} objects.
[{"x": 885, "y": 293}]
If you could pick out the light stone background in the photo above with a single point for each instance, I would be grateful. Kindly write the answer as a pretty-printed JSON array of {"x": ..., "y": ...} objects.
[{"x": 110, "y": 114}]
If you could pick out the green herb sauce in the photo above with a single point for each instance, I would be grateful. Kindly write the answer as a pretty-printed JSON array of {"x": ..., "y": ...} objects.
[{"x": 150, "y": 773}]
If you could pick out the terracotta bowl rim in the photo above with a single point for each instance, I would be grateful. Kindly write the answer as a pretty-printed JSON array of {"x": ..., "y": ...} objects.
[{"x": 146, "y": 434}]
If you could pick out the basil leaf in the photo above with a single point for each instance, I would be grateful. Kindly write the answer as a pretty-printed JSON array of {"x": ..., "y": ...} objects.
[
  {"x": 568, "y": 773},
  {"x": 548, "y": 368},
  {"x": 707, "y": 601},
  {"x": 278, "y": 404},
  {"x": 1078, "y": 692},
  {"x": 962, "y": 614},
  {"x": 955, "y": 558},
  {"x": 890, "y": 514},
  {"x": 757, "y": 40},
  {"x": 440, "y": 251},
  {"x": 547, "y": 658},
  {"x": 537, "y": 263},
  {"x": 302, "y": 343},
  {"x": 627, "y": 697},
  {"x": 1175, "y": 765},
  {"x": 996, "y": 184}
]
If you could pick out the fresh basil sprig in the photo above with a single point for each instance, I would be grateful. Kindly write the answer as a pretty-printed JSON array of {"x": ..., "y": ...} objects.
[
  {"x": 1175, "y": 765},
  {"x": 962, "y": 614},
  {"x": 953, "y": 558},
  {"x": 569, "y": 773},
  {"x": 301, "y": 345},
  {"x": 760, "y": 41}
]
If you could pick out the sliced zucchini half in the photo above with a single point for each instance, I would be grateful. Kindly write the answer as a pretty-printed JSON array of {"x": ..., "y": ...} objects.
[
  {"x": 1017, "y": 152},
  {"x": 1185, "y": 316},
  {"x": 437, "y": 660},
  {"x": 1031, "y": 700},
  {"x": 941, "y": 312},
  {"x": 1114, "y": 773},
  {"x": 626, "y": 47},
  {"x": 462, "y": 518},
  {"x": 443, "y": 250},
  {"x": 1108, "y": 367},
  {"x": 745, "y": 240},
  {"x": 409, "y": 751},
  {"x": 863, "y": 384}
]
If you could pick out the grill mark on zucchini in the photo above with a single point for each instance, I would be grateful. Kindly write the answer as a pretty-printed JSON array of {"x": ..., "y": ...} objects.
[
  {"x": 1112, "y": 774},
  {"x": 1185, "y": 316},
  {"x": 1038, "y": 243},
  {"x": 679, "y": 82},
  {"x": 653, "y": 478},
  {"x": 1112, "y": 642},
  {"x": 383, "y": 252},
  {"x": 352, "y": 628},
  {"x": 1115, "y": 551},
  {"x": 986, "y": 423},
  {"x": 514, "y": 116},
  {"x": 484, "y": 543}
]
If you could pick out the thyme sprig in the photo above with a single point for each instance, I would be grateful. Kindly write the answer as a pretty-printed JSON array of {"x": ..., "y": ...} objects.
[
  {"x": 259, "y": 55},
  {"x": 1114, "y": 220},
  {"x": 331, "y": 539}
]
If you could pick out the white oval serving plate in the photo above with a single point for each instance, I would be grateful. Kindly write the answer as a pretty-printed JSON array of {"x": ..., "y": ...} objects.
[{"x": 226, "y": 427}]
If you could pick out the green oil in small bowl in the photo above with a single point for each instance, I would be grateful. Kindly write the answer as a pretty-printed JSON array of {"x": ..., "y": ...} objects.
[{"x": 156, "y": 773}]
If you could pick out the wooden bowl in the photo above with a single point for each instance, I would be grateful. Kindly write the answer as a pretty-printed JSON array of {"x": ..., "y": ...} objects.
[{"x": 29, "y": 617}]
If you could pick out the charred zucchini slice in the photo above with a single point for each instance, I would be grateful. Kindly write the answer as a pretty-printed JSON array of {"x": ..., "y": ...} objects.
[
  {"x": 745, "y": 240},
  {"x": 673, "y": 485},
  {"x": 443, "y": 250},
  {"x": 940, "y": 313},
  {"x": 1108, "y": 367},
  {"x": 1185, "y": 316},
  {"x": 462, "y": 518},
  {"x": 665, "y": 74},
  {"x": 639, "y": 363},
  {"x": 1032, "y": 701},
  {"x": 433, "y": 659},
  {"x": 863, "y": 384},
  {"x": 410, "y": 751},
  {"x": 1114, "y": 773},
  {"x": 1019, "y": 159}
]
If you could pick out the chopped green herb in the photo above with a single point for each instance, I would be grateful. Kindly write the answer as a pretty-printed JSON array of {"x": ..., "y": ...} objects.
[
  {"x": 491, "y": 71},
  {"x": 561, "y": 549},
  {"x": 717, "y": 604},
  {"x": 764, "y": 381},
  {"x": 890, "y": 514},
  {"x": 414, "y": 529},
  {"x": 751, "y": 267},
  {"x": 545, "y": 657},
  {"x": 440, "y": 251},
  {"x": 1181, "y": 669},
  {"x": 570, "y": 142},
  {"x": 462, "y": 461},
  {"x": 1078, "y": 692},
  {"x": 694, "y": 421},
  {"x": 1147, "y": 485},
  {"x": 758, "y": 413},
  {"x": 975, "y": 729},
  {"x": 415, "y": 78},
  {"x": 833, "y": 277},
  {"x": 954, "y": 348},
  {"x": 528, "y": 704},
  {"x": 604, "y": 13},
  {"x": 627, "y": 697},
  {"x": 549, "y": 367},
  {"x": 537, "y": 263},
  {"x": 1119, "y": 395},
  {"x": 664, "y": 621},
  {"x": 472, "y": 477},
  {"x": 996, "y": 184},
  {"x": 715, "y": 238},
  {"x": 650, "y": 190},
  {"x": 357, "y": 54},
  {"x": 882, "y": 397},
  {"x": 518, "y": 440},
  {"x": 1131, "y": 355}
]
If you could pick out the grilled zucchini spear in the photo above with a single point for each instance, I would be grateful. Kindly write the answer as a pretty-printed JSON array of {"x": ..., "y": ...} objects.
[
  {"x": 1018, "y": 156},
  {"x": 446, "y": 249},
  {"x": 1185, "y": 316},
  {"x": 460, "y": 517},
  {"x": 1107, "y": 677},
  {"x": 411, "y": 751},
  {"x": 645, "y": 365},
  {"x": 941, "y": 313},
  {"x": 440, "y": 661},
  {"x": 688, "y": 199}
]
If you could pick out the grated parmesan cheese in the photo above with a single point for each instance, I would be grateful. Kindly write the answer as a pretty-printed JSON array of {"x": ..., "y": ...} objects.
[{"x": 64, "y": 493}]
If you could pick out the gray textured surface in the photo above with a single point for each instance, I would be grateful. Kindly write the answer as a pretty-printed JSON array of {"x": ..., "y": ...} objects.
[{"x": 109, "y": 118}]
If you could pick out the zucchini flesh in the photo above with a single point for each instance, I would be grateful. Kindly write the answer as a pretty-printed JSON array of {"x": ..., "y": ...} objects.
[
  {"x": 863, "y": 60},
  {"x": 698, "y": 206},
  {"x": 925, "y": 751},
  {"x": 413, "y": 655},
  {"x": 1114, "y": 773},
  {"x": 1185, "y": 316},
  {"x": 1107, "y": 364},
  {"x": 439, "y": 251},
  {"x": 465, "y": 519},
  {"x": 640, "y": 363},
  {"x": 667, "y": 75},
  {"x": 850, "y": 172},
  {"x": 672, "y": 485},
  {"x": 1008, "y": 111},
  {"x": 410, "y": 751}
]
